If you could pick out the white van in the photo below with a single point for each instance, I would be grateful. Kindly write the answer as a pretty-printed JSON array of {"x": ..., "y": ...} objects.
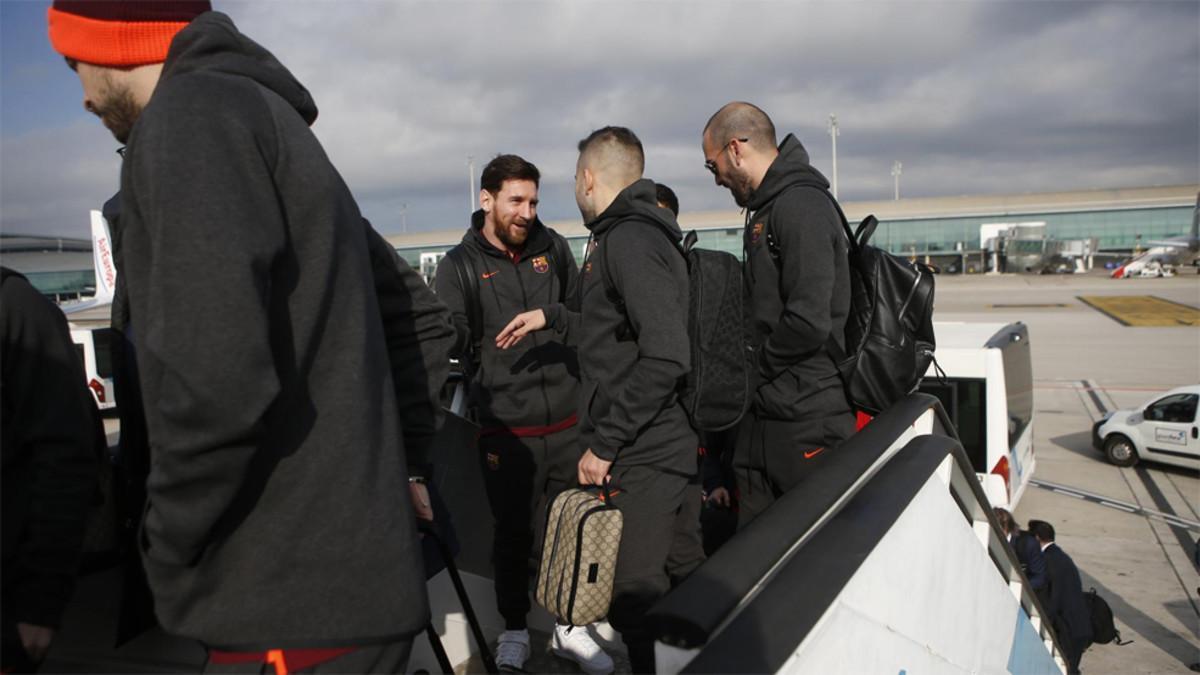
[
  {"x": 1164, "y": 429},
  {"x": 988, "y": 393},
  {"x": 93, "y": 347}
]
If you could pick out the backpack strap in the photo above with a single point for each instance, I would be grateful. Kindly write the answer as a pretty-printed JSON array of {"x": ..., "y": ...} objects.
[
  {"x": 468, "y": 281},
  {"x": 562, "y": 266},
  {"x": 835, "y": 351},
  {"x": 855, "y": 238},
  {"x": 610, "y": 289}
]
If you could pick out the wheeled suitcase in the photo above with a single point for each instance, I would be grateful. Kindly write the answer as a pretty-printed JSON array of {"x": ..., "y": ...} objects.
[
  {"x": 431, "y": 532},
  {"x": 579, "y": 556}
]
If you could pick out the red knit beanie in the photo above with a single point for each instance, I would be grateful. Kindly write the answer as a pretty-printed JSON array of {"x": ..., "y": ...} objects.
[{"x": 119, "y": 33}]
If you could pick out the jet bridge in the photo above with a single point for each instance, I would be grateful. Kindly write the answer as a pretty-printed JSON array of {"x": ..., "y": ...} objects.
[{"x": 889, "y": 560}]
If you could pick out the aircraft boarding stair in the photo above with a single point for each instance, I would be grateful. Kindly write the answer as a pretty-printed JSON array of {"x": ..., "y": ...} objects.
[{"x": 882, "y": 562}]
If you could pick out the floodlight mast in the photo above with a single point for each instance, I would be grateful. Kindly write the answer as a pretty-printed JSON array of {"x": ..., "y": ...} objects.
[
  {"x": 471, "y": 180},
  {"x": 833, "y": 134},
  {"x": 897, "y": 168}
]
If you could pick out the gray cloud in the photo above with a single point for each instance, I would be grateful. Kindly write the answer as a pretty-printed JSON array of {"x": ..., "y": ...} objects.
[{"x": 973, "y": 97}]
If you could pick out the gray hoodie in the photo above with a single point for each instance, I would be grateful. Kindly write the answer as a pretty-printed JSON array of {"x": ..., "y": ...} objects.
[
  {"x": 799, "y": 292},
  {"x": 633, "y": 343},
  {"x": 278, "y": 513}
]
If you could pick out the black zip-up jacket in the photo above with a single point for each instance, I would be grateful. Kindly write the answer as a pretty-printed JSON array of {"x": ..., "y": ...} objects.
[
  {"x": 278, "y": 511},
  {"x": 47, "y": 423},
  {"x": 536, "y": 383},
  {"x": 634, "y": 348},
  {"x": 798, "y": 289},
  {"x": 419, "y": 332}
]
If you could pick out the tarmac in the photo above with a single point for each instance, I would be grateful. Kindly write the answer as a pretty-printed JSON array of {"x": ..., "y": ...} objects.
[
  {"x": 1132, "y": 532},
  {"x": 1143, "y": 564}
]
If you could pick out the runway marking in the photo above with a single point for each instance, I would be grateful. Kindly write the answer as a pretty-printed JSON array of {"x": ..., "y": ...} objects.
[
  {"x": 1168, "y": 518},
  {"x": 1187, "y": 502},
  {"x": 1143, "y": 310},
  {"x": 1027, "y": 306},
  {"x": 1090, "y": 387},
  {"x": 1074, "y": 385}
]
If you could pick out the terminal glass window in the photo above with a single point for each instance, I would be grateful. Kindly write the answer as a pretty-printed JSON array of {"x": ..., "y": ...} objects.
[{"x": 965, "y": 402}]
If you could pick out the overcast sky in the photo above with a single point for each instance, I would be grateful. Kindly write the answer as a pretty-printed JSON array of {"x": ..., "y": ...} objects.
[{"x": 973, "y": 97}]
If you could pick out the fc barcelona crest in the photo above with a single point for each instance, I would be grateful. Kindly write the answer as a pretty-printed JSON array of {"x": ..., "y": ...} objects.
[
  {"x": 756, "y": 233},
  {"x": 540, "y": 264}
]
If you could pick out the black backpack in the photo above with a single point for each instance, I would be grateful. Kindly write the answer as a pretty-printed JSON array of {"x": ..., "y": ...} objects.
[
  {"x": 1104, "y": 630},
  {"x": 468, "y": 280},
  {"x": 716, "y": 391},
  {"x": 889, "y": 330}
]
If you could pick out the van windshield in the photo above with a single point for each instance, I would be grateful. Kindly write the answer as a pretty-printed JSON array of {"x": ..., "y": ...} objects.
[
  {"x": 965, "y": 401},
  {"x": 102, "y": 344},
  {"x": 1018, "y": 385}
]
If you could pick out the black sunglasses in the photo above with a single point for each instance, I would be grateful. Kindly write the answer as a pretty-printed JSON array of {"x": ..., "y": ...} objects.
[{"x": 711, "y": 164}]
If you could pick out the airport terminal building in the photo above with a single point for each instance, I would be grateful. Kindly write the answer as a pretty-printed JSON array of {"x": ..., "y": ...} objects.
[
  {"x": 61, "y": 268},
  {"x": 938, "y": 229}
]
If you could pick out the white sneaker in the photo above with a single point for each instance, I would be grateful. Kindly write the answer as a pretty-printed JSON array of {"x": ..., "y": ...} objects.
[
  {"x": 574, "y": 643},
  {"x": 512, "y": 649}
]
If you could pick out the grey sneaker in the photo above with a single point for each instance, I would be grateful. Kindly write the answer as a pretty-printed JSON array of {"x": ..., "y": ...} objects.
[
  {"x": 574, "y": 643},
  {"x": 512, "y": 649}
]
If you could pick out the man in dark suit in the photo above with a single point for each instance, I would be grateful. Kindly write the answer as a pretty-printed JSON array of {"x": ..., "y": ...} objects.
[
  {"x": 1027, "y": 548},
  {"x": 1067, "y": 608}
]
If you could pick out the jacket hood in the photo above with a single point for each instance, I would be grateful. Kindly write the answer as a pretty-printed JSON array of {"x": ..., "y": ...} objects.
[
  {"x": 638, "y": 199},
  {"x": 211, "y": 43},
  {"x": 537, "y": 241},
  {"x": 790, "y": 168}
]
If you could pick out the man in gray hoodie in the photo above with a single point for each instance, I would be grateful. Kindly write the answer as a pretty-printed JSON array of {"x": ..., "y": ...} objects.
[
  {"x": 797, "y": 278},
  {"x": 278, "y": 528},
  {"x": 630, "y": 322}
]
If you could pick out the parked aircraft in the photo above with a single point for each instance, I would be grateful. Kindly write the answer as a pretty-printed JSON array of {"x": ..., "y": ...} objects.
[
  {"x": 1176, "y": 252},
  {"x": 106, "y": 269}
]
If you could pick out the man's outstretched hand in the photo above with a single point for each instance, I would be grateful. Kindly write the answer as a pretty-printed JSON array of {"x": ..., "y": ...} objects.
[{"x": 522, "y": 324}]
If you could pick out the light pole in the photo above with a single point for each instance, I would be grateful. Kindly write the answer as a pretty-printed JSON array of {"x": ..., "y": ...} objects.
[
  {"x": 833, "y": 134},
  {"x": 897, "y": 167},
  {"x": 471, "y": 180},
  {"x": 404, "y": 217}
]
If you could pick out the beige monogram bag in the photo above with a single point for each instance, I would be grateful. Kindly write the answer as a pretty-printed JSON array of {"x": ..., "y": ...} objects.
[{"x": 579, "y": 556}]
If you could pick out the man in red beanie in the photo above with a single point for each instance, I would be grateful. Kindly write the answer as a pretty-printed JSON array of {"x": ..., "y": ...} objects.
[{"x": 278, "y": 529}]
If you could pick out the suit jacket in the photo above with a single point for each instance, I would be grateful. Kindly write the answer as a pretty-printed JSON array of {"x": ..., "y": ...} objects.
[
  {"x": 1029, "y": 554},
  {"x": 1067, "y": 606}
]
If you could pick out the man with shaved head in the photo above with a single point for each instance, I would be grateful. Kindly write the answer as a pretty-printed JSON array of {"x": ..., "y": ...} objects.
[
  {"x": 798, "y": 284},
  {"x": 630, "y": 323}
]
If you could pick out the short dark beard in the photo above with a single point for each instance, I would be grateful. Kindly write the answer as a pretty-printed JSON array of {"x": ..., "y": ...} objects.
[
  {"x": 503, "y": 234},
  {"x": 741, "y": 191},
  {"x": 119, "y": 112}
]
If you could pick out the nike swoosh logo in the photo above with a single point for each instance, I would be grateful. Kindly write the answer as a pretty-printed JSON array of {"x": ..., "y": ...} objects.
[
  {"x": 489, "y": 275},
  {"x": 813, "y": 453}
]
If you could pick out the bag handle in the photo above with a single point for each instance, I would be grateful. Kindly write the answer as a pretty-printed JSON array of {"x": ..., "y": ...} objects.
[
  {"x": 865, "y": 230},
  {"x": 606, "y": 494}
]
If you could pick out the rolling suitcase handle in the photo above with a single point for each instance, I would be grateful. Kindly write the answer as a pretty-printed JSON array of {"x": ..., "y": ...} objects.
[{"x": 489, "y": 664}]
